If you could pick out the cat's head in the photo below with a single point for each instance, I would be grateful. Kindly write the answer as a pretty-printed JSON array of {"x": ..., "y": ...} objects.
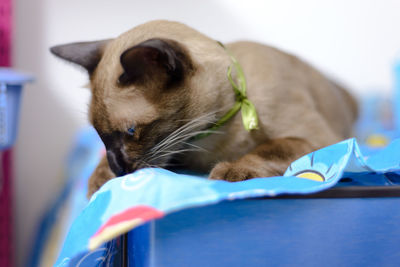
[{"x": 147, "y": 89}]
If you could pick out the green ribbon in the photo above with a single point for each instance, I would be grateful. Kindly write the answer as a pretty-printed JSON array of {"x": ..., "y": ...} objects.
[{"x": 249, "y": 113}]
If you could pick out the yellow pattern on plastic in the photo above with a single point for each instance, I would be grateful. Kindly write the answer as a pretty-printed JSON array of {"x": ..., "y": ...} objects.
[
  {"x": 311, "y": 176},
  {"x": 377, "y": 140}
]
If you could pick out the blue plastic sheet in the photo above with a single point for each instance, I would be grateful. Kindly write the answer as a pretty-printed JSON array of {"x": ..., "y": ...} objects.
[{"x": 122, "y": 203}]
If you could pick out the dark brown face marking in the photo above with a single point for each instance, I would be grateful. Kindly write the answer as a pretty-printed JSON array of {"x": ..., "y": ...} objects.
[{"x": 115, "y": 154}]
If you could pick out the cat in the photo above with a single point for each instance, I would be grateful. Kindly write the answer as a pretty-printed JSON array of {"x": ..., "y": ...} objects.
[{"x": 160, "y": 85}]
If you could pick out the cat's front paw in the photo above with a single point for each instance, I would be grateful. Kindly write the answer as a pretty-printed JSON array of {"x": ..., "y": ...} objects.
[
  {"x": 246, "y": 168},
  {"x": 232, "y": 172}
]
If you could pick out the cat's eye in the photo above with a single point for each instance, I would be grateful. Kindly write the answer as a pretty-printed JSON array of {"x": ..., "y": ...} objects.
[{"x": 131, "y": 130}]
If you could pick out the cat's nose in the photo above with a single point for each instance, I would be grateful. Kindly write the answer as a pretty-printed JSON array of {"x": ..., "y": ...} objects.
[{"x": 116, "y": 162}]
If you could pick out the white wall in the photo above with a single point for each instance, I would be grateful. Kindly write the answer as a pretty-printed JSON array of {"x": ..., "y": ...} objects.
[{"x": 354, "y": 41}]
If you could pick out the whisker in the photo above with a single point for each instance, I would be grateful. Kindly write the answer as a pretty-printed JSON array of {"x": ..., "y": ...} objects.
[
  {"x": 147, "y": 165},
  {"x": 181, "y": 139},
  {"x": 181, "y": 130},
  {"x": 165, "y": 152},
  {"x": 169, "y": 153},
  {"x": 196, "y": 146},
  {"x": 181, "y": 136}
]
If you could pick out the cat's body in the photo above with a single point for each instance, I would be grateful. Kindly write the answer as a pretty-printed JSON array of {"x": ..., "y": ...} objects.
[
  {"x": 170, "y": 81},
  {"x": 292, "y": 100}
]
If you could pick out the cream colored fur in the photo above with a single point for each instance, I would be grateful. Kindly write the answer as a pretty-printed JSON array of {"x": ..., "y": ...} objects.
[{"x": 292, "y": 99}]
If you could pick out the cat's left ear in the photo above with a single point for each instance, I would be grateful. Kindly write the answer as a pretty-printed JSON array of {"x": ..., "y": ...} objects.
[
  {"x": 154, "y": 59},
  {"x": 85, "y": 54}
]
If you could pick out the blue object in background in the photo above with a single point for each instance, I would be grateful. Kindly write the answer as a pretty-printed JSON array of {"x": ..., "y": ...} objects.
[
  {"x": 71, "y": 200},
  {"x": 11, "y": 83},
  {"x": 396, "y": 102}
]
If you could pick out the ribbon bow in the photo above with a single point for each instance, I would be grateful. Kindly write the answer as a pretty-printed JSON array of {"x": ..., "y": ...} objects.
[{"x": 249, "y": 113}]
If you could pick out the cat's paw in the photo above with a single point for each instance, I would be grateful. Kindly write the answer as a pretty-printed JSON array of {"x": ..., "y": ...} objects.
[
  {"x": 232, "y": 172},
  {"x": 246, "y": 168},
  {"x": 100, "y": 176}
]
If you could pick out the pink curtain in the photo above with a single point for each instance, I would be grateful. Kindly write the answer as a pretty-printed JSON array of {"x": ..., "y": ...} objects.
[
  {"x": 6, "y": 244},
  {"x": 5, "y": 32}
]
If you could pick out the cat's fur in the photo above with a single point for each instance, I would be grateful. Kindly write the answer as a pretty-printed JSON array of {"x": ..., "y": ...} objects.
[{"x": 170, "y": 81}]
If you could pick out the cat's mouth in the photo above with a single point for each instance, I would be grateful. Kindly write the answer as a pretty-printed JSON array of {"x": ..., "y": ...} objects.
[{"x": 121, "y": 166}]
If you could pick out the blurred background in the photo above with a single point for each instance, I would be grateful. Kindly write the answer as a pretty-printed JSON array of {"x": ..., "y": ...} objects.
[{"x": 354, "y": 42}]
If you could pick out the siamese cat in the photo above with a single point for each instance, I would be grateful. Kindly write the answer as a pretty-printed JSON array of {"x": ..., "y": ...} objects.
[{"x": 158, "y": 86}]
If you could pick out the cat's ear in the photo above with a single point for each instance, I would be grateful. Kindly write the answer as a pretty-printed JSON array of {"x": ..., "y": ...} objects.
[
  {"x": 85, "y": 54},
  {"x": 153, "y": 59}
]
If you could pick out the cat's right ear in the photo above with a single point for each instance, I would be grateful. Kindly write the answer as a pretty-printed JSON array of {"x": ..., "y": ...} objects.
[{"x": 85, "y": 54}]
